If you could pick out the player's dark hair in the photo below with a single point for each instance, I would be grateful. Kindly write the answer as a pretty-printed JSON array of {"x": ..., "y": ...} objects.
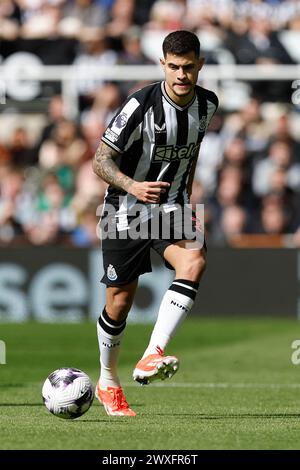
[{"x": 181, "y": 42}]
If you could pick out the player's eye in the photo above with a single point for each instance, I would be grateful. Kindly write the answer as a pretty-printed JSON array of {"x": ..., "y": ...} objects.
[{"x": 188, "y": 67}]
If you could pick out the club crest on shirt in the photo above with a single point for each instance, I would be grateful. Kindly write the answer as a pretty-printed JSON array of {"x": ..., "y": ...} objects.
[
  {"x": 111, "y": 273},
  {"x": 202, "y": 124}
]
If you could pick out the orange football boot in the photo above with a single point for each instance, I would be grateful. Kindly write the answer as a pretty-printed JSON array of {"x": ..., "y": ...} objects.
[
  {"x": 155, "y": 367},
  {"x": 114, "y": 401}
]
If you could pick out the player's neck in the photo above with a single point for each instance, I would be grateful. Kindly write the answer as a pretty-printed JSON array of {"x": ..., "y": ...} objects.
[{"x": 179, "y": 100}]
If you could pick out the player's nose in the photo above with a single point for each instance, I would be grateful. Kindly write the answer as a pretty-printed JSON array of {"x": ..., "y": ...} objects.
[{"x": 181, "y": 75}]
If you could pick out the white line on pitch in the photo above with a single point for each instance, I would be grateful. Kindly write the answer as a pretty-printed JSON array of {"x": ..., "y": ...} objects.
[{"x": 218, "y": 385}]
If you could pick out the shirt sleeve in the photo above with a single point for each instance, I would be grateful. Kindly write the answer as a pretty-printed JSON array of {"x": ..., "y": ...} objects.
[
  {"x": 212, "y": 106},
  {"x": 125, "y": 127}
]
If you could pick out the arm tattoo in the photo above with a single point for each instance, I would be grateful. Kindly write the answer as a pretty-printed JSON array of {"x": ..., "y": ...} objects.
[{"x": 105, "y": 167}]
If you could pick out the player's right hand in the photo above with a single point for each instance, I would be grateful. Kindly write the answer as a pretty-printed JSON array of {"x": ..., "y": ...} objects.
[{"x": 148, "y": 191}]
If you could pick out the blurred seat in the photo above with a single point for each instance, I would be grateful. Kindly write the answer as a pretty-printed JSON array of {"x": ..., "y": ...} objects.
[{"x": 257, "y": 241}]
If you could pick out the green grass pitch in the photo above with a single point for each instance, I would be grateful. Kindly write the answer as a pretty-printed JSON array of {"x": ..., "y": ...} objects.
[{"x": 236, "y": 388}]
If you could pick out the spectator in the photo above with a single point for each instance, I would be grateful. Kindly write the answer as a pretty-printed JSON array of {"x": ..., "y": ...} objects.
[
  {"x": 42, "y": 22},
  {"x": 251, "y": 126},
  {"x": 10, "y": 17},
  {"x": 210, "y": 12},
  {"x": 142, "y": 11},
  {"x": 233, "y": 224},
  {"x": 46, "y": 232},
  {"x": 88, "y": 188},
  {"x": 235, "y": 153},
  {"x": 211, "y": 155},
  {"x": 122, "y": 13},
  {"x": 132, "y": 51},
  {"x": 22, "y": 153},
  {"x": 282, "y": 131},
  {"x": 277, "y": 168},
  {"x": 86, "y": 232},
  {"x": 167, "y": 15},
  {"x": 65, "y": 147},
  {"x": 260, "y": 44},
  {"x": 95, "y": 120},
  {"x": 56, "y": 113},
  {"x": 132, "y": 54},
  {"x": 12, "y": 201},
  {"x": 54, "y": 201},
  {"x": 229, "y": 192},
  {"x": 81, "y": 14},
  {"x": 274, "y": 219},
  {"x": 107, "y": 100},
  {"x": 5, "y": 156},
  {"x": 95, "y": 53}
]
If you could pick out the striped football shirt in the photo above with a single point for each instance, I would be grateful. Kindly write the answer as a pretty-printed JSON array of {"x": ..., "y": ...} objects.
[{"x": 157, "y": 140}]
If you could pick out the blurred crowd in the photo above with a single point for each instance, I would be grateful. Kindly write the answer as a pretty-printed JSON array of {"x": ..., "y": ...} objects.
[
  {"x": 251, "y": 31},
  {"x": 248, "y": 173}
]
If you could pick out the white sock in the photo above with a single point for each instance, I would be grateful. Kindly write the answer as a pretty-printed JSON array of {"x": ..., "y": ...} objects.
[
  {"x": 175, "y": 305},
  {"x": 109, "y": 334}
]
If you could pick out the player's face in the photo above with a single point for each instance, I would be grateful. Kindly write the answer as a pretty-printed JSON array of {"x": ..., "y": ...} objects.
[{"x": 181, "y": 75}]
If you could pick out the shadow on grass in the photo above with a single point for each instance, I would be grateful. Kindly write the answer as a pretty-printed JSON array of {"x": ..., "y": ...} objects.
[
  {"x": 200, "y": 416},
  {"x": 105, "y": 419},
  {"x": 22, "y": 404}
]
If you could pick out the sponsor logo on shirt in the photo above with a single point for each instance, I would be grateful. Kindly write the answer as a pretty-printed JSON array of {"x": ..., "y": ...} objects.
[{"x": 167, "y": 153}]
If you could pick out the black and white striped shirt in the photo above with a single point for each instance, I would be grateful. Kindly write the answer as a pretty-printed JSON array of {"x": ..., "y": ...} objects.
[{"x": 157, "y": 141}]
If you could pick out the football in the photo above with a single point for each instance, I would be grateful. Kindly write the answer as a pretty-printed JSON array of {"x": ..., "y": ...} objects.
[{"x": 68, "y": 393}]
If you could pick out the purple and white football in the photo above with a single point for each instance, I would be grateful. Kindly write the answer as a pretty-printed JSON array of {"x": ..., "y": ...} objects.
[{"x": 68, "y": 393}]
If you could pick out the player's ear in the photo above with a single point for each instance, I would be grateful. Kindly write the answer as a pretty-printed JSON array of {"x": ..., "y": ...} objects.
[
  {"x": 201, "y": 62},
  {"x": 162, "y": 61}
]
